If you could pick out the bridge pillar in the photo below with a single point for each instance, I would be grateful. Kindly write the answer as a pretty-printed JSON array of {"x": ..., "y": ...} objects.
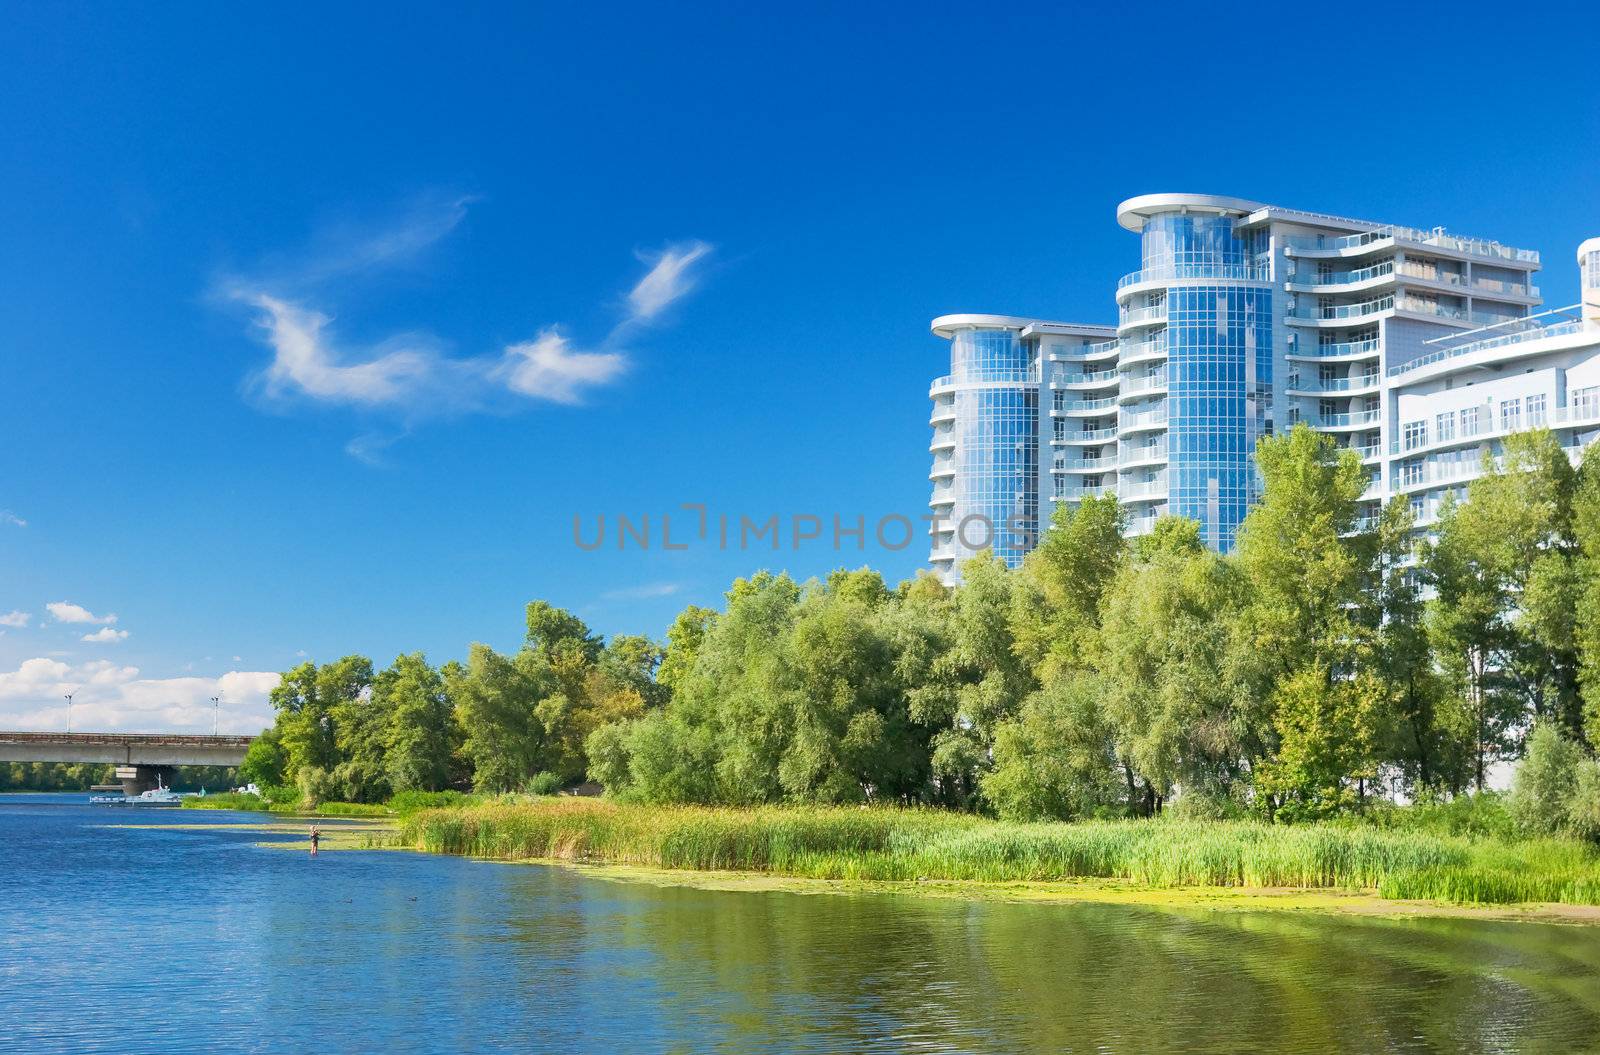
[{"x": 138, "y": 779}]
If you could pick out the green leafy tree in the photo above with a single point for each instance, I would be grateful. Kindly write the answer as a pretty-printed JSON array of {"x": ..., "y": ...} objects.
[
  {"x": 421, "y": 736},
  {"x": 1056, "y": 760},
  {"x": 1179, "y": 712},
  {"x": 1057, "y": 612},
  {"x": 265, "y": 761}
]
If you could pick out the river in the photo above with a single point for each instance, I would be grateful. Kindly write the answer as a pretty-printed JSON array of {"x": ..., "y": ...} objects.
[{"x": 149, "y": 941}]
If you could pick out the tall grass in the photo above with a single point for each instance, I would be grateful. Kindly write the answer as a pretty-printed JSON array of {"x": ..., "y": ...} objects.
[
  {"x": 885, "y": 844},
  {"x": 226, "y": 800}
]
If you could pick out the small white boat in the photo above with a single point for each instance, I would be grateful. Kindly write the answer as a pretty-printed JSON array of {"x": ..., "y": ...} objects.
[{"x": 156, "y": 796}]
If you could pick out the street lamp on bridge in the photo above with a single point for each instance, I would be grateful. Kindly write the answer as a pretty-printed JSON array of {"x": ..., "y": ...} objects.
[
  {"x": 69, "y": 712},
  {"x": 216, "y": 713}
]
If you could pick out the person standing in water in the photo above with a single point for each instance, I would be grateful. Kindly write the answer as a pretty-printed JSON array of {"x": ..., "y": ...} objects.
[{"x": 316, "y": 837}]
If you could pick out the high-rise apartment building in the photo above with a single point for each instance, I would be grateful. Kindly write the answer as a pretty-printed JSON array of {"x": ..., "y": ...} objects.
[{"x": 1419, "y": 349}]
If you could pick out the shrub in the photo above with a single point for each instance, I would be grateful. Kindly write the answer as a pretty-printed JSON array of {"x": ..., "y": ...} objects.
[
  {"x": 316, "y": 787},
  {"x": 1545, "y": 781},
  {"x": 542, "y": 784}
]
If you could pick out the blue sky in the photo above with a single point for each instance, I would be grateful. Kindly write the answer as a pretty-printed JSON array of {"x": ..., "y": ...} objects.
[{"x": 318, "y": 325}]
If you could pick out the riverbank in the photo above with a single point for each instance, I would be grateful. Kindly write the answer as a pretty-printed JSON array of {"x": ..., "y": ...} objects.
[{"x": 1338, "y": 867}]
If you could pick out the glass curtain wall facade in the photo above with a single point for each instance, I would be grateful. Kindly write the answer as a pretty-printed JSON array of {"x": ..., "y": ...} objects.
[
  {"x": 1218, "y": 335},
  {"x": 1415, "y": 348},
  {"x": 987, "y": 445}
]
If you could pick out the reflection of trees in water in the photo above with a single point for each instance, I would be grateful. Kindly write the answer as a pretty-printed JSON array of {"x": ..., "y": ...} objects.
[{"x": 754, "y": 971}]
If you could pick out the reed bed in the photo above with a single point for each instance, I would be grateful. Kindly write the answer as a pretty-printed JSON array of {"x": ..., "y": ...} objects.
[{"x": 906, "y": 845}]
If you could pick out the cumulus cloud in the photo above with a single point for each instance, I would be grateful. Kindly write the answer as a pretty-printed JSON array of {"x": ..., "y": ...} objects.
[
  {"x": 8, "y": 517},
  {"x": 105, "y": 635},
  {"x": 66, "y": 612},
  {"x": 107, "y": 697},
  {"x": 670, "y": 277},
  {"x": 17, "y": 618}
]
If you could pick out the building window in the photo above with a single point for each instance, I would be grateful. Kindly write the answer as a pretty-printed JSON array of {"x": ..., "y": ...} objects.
[
  {"x": 1586, "y": 401},
  {"x": 1416, "y": 434},
  {"x": 1410, "y": 473},
  {"x": 1445, "y": 426},
  {"x": 1469, "y": 421},
  {"x": 1511, "y": 414},
  {"x": 1536, "y": 414}
]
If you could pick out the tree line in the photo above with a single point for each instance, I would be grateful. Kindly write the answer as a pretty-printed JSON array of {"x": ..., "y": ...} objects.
[{"x": 1324, "y": 662}]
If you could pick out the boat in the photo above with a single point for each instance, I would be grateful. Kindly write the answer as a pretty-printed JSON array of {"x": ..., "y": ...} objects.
[{"x": 159, "y": 795}]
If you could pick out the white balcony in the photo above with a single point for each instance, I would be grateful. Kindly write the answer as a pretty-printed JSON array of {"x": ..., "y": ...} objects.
[
  {"x": 1147, "y": 454},
  {"x": 1341, "y": 350},
  {"x": 1361, "y": 419},
  {"x": 1087, "y": 407},
  {"x": 1147, "y": 421},
  {"x": 1333, "y": 386},
  {"x": 1136, "y": 384},
  {"x": 1150, "y": 315}
]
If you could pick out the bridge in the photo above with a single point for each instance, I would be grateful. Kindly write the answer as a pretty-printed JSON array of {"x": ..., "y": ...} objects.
[{"x": 140, "y": 758}]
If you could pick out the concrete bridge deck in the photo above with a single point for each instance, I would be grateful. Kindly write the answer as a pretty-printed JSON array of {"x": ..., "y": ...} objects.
[{"x": 145, "y": 750}]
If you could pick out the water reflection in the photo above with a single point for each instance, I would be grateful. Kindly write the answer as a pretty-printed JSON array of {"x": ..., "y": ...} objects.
[{"x": 118, "y": 940}]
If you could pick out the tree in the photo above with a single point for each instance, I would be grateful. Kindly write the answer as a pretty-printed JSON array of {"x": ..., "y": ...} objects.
[
  {"x": 684, "y": 638},
  {"x": 494, "y": 698},
  {"x": 1301, "y": 555},
  {"x": 1056, "y": 760},
  {"x": 1329, "y": 734},
  {"x": 264, "y": 761},
  {"x": 1586, "y": 589},
  {"x": 990, "y": 679},
  {"x": 1057, "y": 612},
  {"x": 1468, "y": 625},
  {"x": 421, "y": 737},
  {"x": 1177, "y": 709},
  {"x": 1427, "y": 752}
]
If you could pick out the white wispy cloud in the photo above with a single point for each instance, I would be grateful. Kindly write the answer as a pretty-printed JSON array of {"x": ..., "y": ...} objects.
[
  {"x": 643, "y": 591},
  {"x": 105, "y": 636},
  {"x": 410, "y": 376},
  {"x": 671, "y": 277},
  {"x": 8, "y": 517},
  {"x": 67, "y": 612},
  {"x": 345, "y": 249},
  {"x": 109, "y": 697},
  {"x": 548, "y": 367},
  {"x": 17, "y": 618},
  {"x": 304, "y": 361}
]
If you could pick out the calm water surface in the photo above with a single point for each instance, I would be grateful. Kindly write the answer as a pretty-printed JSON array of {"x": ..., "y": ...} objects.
[{"x": 119, "y": 940}]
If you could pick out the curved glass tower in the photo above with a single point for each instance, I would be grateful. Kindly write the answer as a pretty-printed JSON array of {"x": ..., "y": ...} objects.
[
  {"x": 1413, "y": 348},
  {"x": 986, "y": 419},
  {"x": 1196, "y": 361}
]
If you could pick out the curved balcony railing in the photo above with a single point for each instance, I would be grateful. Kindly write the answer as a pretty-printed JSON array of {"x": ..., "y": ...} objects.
[
  {"x": 1533, "y": 331},
  {"x": 1140, "y": 350},
  {"x": 1343, "y": 311},
  {"x": 1146, "y": 453},
  {"x": 1148, "y": 419},
  {"x": 1333, "y": 385},
  {"x": 1344, "y": 421},
  {"x": 1344, "y": 278},
  {"x": 1329, "y": 351},
  {"x": 1150, "y": 313},
  {"x": 1438, "y": 238},
  {"x": 1088, "y": 406},
  {"x": 1190, "y": 272},
  {"x": 1144, "y": 382}
]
